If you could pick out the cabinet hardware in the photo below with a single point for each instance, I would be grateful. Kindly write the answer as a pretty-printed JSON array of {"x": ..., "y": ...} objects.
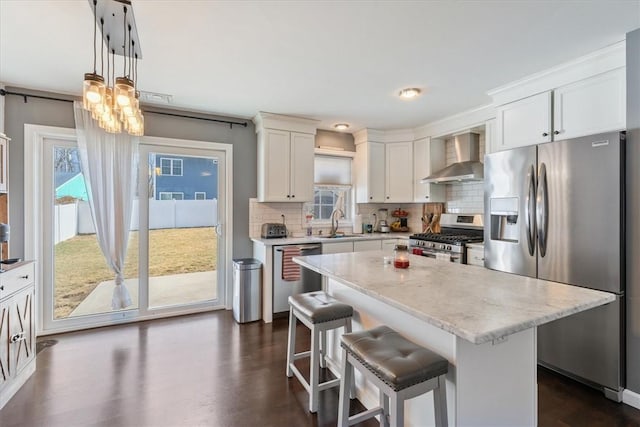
[
  {"x": 26, "y": 276},
  {"x": 1, "y": 287},
  {"x": 387, "y": 197},
  {"x": 293, "y": 197},
  {"x": 545, "y": 134},
  {"x": 370, "y": 197},
  {"x": 557, "y": 132},
  {"x": 18, "y": 337},
  {"x": 426, "y": 197}
]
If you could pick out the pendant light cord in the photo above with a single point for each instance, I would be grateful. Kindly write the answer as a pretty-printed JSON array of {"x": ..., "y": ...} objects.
[
  {"x": 95, "y": 29},
  {"x": 124, "y": 29},
  {"x": 101, "y": 47}
]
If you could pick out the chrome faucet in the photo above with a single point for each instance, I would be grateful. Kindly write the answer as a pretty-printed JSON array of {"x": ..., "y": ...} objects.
[{"x": 334, "y": 221}]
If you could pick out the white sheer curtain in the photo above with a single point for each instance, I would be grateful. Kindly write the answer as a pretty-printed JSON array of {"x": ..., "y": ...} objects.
[{"x": 109, "y": 163}]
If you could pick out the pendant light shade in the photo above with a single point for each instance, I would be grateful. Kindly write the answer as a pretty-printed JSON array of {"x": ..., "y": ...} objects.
[{"x": 92, "y": 90}]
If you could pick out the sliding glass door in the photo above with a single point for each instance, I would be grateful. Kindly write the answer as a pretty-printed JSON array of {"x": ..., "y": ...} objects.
[{"x": 176, "y": 253}]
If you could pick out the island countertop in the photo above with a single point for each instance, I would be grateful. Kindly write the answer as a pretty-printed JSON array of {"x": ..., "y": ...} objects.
[{"x": 478, "y": 305}]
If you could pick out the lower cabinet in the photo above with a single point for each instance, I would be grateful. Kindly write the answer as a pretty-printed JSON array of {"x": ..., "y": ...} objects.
[
  {"x": 17, "y": 329},
  {"x": 366, "y": 245},
  {"x": 337, "y": 247}
]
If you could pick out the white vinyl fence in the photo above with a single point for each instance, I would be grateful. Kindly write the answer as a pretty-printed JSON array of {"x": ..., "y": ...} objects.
[{"x": 73, "y": 219}]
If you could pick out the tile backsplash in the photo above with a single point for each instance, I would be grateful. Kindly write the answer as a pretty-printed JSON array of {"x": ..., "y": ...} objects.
[
  {"x": 294, "y": 214},
  {"x": 465, "y": 197}
]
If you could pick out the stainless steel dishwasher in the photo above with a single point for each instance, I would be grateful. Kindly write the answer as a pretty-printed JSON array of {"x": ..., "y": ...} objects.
[{"x": 309, "y": 280}]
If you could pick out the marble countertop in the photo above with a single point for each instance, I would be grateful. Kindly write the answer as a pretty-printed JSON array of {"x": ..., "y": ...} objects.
[
  {"x": 317, "y": 239},
  {"x": 478, "y": 305}
]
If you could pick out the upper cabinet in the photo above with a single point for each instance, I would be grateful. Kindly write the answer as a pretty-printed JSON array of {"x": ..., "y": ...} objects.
[
  {"x": 590, "y": 106},
  {"x": 370, "y": 172},
  {"x": 583, "y": 97},
  {"x": 285, "y": 158},
  {"x": 398, "y": 172},
  {"x": 383, "y": 167},
  {"x": 428, "y": 157},
  {"x": 524, "y": 122}
]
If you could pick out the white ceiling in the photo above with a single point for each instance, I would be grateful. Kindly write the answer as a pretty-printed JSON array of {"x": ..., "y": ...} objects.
[{"x": 335, "y": 61}]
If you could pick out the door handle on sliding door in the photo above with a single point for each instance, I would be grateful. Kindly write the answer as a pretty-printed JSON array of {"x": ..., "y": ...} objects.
[
  {"x": 529, "y": 214},
  {"x": 542, "y": 210}
]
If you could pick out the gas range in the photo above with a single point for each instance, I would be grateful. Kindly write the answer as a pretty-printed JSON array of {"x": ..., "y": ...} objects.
[{"x": 456, "y": 231}]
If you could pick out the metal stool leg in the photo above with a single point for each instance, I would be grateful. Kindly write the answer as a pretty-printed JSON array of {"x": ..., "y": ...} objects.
[
  {"x": 291, "y": 342},
  {"x": 384, "y": 404}
]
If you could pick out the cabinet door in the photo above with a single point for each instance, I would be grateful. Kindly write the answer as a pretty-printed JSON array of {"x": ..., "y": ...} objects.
[
  {"x": 389, "y": 245},
  {"x": 274, "y": 166},
  {"x": 369, "y": 167},
  {"x": 366, "y": 245},
  {"x": 428, "y": 156},
  {"x": 490, "y": 137},
  {"x": 399, "y": 172},
  {"x": 3, "y": 165},
  {"x": 524, "y": 122},
  {"x": 5, "y": 334},
  {"x": 337, "y": 247},
  {"x": 22, "y": 325},
  {"x": 590, "y": 106},
  {"x": 302, "y": 151}
]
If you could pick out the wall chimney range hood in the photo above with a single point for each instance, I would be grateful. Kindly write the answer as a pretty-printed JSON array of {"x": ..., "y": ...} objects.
[{"x": 467, "y": 166}]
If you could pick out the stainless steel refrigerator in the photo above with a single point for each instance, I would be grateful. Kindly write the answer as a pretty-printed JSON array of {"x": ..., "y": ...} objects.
[{"x": 555, "y": 211}]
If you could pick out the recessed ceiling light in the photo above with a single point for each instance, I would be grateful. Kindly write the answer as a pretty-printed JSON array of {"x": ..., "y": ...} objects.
[
  {"x": 409, "y": 93},
  {"x": 341, "y": 126}
]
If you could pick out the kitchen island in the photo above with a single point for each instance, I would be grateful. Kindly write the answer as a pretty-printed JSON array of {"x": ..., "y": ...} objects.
[{"x": 483, "y": 321}]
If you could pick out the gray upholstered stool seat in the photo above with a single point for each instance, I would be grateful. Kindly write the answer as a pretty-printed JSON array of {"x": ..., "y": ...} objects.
[
  {"x": 319, "y": 312},
  {"x": 399, "y": 368},
  {"x": 394, "y": 359},
  {"x": 320, "y": 307}
]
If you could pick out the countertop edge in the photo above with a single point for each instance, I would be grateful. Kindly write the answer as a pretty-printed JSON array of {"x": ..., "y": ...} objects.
[{"x": 316, "y": 239}]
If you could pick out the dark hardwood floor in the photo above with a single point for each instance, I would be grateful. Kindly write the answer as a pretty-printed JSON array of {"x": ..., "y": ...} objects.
[{"x": 207, "y": 370}]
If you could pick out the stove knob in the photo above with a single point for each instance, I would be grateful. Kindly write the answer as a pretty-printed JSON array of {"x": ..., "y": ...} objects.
[
  {"x": 449, "y": 247},
  {"x": 442, "y": 247}
]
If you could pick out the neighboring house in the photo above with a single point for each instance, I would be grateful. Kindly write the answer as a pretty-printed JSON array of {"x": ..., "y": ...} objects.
[
  {"x": 184, "y": 178},
  {"x": 70, "y": 184}
]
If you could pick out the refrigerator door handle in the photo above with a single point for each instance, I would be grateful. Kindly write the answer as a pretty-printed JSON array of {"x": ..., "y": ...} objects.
[
  {"x": 529, "y": 215},
  {"x": 542, "y": 210}
]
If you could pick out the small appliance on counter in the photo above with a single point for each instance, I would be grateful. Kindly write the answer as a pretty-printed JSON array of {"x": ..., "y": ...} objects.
[
  {"x": 272, "y": 230},
  {"x": 383, "y": 224}
]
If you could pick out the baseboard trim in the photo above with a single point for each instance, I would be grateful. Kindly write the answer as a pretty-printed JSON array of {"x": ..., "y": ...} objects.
[{"x": 631, "y": 398}]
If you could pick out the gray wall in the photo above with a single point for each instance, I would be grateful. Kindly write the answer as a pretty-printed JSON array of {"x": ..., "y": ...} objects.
[
  {"x": 633, "y": 211},
  {"x": 60, "y": 114}
]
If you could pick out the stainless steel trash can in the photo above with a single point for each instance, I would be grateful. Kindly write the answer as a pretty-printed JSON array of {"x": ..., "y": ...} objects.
[{"x": 247, "y": 289}]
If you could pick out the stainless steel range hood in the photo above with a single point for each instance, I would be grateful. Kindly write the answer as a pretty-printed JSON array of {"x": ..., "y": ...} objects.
[{"x": 467, "y": 166}]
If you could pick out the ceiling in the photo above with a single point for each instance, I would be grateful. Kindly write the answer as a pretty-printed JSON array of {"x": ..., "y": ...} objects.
[{"x": 334, "y": 61}]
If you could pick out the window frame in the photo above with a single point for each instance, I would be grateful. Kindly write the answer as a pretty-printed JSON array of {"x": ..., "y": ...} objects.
[
  {"x": 170, "y": 193},
  {"x": 171, "y": 166},
  {"x": 203, "y": 193}
]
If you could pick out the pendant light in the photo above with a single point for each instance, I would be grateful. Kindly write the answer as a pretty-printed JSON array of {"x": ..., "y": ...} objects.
[
  {"x": 93, "y": 87},
  {"x": 115, "y": 105}
]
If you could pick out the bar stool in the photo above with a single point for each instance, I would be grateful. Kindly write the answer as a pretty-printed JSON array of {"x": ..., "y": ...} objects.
[
  {"x": 319, "y": 312},
  {"x": 399, "y": 368}
]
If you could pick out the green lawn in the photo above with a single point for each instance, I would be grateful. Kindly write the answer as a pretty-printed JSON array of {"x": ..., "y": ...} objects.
[{"x": 80, "y": 266}]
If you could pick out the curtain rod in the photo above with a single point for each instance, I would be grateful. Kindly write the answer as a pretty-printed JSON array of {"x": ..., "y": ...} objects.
[{"x": 185, "y": 116}]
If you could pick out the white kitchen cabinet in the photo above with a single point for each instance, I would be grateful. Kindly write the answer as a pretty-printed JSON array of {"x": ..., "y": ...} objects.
[
  {"x": 389, "y": 245},
  {"x": 4, "y": 143},
  {"x": 285, "y": 166},
  {"x": 524, "y": 122},
  {"x": 369, "y": 164},
  {"x": 399, "y": 172},
  {"x": 490, "y": 137},
  {"x": 384, "y": 172},
  {"x": 17, "y": 329},
  {"x": 590, "y": 106},
  {"x": 367, "y": 245},
  {"x": 475, "y": 254},
  {"x": 593, "y": 105},
  {"x": 337, "y": 247},
  {"x": 428, "y": 157}
]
